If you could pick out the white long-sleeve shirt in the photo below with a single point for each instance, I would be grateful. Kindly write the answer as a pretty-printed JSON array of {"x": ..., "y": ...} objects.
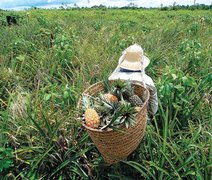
[{"x": 139, "y": 76}]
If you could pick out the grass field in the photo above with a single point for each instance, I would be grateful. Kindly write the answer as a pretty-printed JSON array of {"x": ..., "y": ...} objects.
[{"x": 51, "y": 56}]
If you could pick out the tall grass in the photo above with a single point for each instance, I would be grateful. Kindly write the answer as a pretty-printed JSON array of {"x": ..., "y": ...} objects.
[{"x": 53, "y": 55}]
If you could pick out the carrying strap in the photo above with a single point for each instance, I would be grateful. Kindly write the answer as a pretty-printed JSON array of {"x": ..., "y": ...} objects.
[{"x": 142, "y": 75}]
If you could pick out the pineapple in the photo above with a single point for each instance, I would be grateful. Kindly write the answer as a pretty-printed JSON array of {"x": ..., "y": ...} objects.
[
  {"x": 106, "y": 108},
  {"x": 128, "y": 115},
  {"x": 123, "y": 115},
  {"x": 92, "y": 118},
  {"x": 131, "y": 97},
  {"x": 118, "y": 88},
  {"x": 110, "y": 98},
  {"x": 135, "y": 100}
]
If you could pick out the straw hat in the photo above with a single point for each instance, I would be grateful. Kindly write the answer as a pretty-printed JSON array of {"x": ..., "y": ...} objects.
[{"x": 134, "y": 59}]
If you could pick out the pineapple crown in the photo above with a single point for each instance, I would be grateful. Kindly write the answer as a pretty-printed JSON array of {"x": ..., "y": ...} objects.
[
  {"x": 106, "y": 85},
  {"x": 124, "y": 114},
  {"x": 128, "y": 115},
  {"x": 118, "y": 88},
  {"x": 128, "y": 91},
  {"x": 119, "y": 84},
  {"x": 86, "y": 101}
]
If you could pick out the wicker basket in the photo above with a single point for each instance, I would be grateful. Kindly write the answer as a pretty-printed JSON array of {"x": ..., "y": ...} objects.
[{"x": 117, "y": 145}]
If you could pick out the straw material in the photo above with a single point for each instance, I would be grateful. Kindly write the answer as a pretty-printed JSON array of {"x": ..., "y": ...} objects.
[
  {"x": 117, "y": 145},
  {"x": 135, "y": 64},
  {"x": 133, "y": 58}
]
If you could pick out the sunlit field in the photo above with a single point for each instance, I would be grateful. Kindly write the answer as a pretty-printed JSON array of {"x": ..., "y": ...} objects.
[{"x": 51, "y": 56}]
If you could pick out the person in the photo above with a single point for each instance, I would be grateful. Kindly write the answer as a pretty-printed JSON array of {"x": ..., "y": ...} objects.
[{"x": 131, "y": 66}]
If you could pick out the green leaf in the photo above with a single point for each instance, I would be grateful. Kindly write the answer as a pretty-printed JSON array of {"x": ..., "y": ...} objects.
[
  {"x": 116, "y": 115},
  {"x": 47, "y": 97},
  {"x": 78, "y": 170},
  {"x": 40, "y": 158},
  {"x": 189, "y": 81},
  {"x": 160, "y": 169},
  {"x": 21, "y": 57},
  {"x": 171, "y": 163},
  {"x": 47, "y": 123},
  {"x": 5, "y": 163},
  {"x": 174, "y": 76},
  {"x": 42, "y": 132},
  {"x": 176, "y": 106},
  {"x": 140, "y": 169},
  {"x": 179, "y": 88},
  {"x": 65, "y": 95}
]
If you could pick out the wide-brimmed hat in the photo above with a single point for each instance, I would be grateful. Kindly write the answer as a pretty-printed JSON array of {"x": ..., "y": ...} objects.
[{"x": 133, "y": 58}]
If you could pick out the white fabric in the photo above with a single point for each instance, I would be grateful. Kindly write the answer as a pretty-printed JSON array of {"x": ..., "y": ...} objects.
[{"x": 140, "y": 77}]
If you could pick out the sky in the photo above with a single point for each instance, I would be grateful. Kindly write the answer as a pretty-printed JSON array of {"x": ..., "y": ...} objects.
[{"x": 22, "y": 4}]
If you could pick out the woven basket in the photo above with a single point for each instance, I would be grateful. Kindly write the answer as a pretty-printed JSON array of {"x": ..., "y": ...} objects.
[{"x": 117, "y": 145}]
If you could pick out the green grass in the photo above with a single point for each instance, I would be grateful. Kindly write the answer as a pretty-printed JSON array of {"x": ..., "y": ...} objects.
[{"x": 53, "y": 55}]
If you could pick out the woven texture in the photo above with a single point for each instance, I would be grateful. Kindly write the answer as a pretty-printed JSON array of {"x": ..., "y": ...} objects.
[{"x": 117, "y": 145}]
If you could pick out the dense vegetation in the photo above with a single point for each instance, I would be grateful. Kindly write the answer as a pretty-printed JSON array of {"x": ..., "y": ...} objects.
[{"x": 51, "y": 56}]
